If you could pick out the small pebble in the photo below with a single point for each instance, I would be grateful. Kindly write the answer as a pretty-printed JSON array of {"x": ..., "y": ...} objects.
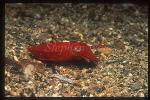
[
  {"x": 110, "y": 28},
  {"x": 99, "y": 90},
  {"x": 83, "y": 93},
  {"x": 15, "y": 58},
  {"x": 140, "y": 94},
  {"x": 136, "y": 86},
  {"x": 28, "y": 71},
  {"x": 121, "y": 66},
  {"x": 130, "y": 75},
  {"x": 55, "y": 95},
  {"x": 91, "y": 95}
]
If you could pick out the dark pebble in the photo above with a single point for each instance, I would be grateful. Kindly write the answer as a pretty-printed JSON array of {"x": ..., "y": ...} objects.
[
  {"x": 16, "y": 70},
  {"x": 78, "y": 77},
  {"x": 41, "y": 86},
  {"x": 32, "y": 94},
  {"x": 37, "y": 77},
  {"x": 20, "y": 91},
  {"x": 136, "y": 86},
  {"x": 121, "y": 85},
  {"x": 99, "y": 90},
  {"x": 7, "y": 80},
  {"x": 29, "y": 91},
  {"x": 28, "y": 37},
  {"x": 7, "y": 93},
  {"x": 89, "y": 71},
  {"x": 42, "y": 37},
  {"x": 83, "y": 93}
]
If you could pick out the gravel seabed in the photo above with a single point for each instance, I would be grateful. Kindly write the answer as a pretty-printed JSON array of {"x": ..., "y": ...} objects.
[{"x": 121, "y": 73}]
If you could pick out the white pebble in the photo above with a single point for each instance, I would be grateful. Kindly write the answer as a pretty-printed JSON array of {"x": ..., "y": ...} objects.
[
  {"x": 28, "y": 70},
  {"x": 91, "y": 95},
  {"x": 110, "y": 28},
  {"x": 15, "y": 58},
  {"x": 130, "y": 75},
  {"x": 121, "y": 66}
]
